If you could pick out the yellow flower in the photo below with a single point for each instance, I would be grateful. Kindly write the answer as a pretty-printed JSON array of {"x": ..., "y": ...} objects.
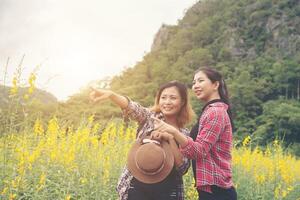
[
  {"x": 30, "y": 90},
  {"x": 277, "y": 191},
  {"x": 32, "y": 79},
  {"x": 12, "y": 196},
  {"x": 290, "y": 188},
  {"x": 284, "y": 193},
  {"x": 246, "y": 141},
  {"x": 83, "y": 180},
  {"x": 42, "y": 179},
  {"x": 68, "y": 197},
  {"x": 53, "y": 126},
  {"x": 38, "y": 127},
  {"x": 14, "y": 184},
  {"x": 95, "y": 128},
  {"x": 91, "y": 119},
  {"x": 26, "y": 96},
  {"x": 15, "y": 81},
  {"x": 4, "y": 191},
  {"x": 260, "y": 179},
  {"x": 14, "y": 88}
]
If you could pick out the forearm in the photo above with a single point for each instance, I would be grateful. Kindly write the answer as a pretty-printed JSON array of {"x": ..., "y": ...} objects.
[
  {"x": 180, "y": 138},
  {"x": 178, "y": 157},
  {"x": 195, "y": 149},
  {"x": 120, "y": 100}
]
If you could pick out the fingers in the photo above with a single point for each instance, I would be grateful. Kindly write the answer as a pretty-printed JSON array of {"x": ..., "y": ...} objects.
[
  {"x": 93, "y": 97},
  {"x": 158, "y": 135},
  {"x": 156, "y": 120},
  {"x": 92, "y": 89},
  {"x": 155, "y": 135},
  {"x": 158, "y": 124},
  {"x": 97, "y": 95}
]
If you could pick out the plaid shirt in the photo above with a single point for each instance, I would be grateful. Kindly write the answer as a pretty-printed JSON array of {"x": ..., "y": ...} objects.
[
  {"x": 212, "y": 148},
  {"x": 146, "y": 125}
]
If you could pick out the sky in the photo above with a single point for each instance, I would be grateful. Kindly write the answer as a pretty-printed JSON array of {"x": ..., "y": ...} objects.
[{"x": 75, "y": 42}]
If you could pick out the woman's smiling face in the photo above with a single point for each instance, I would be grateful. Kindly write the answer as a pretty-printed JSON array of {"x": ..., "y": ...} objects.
[
  {"x": 204, "y": 88},
  {"x": 170, "y": 101}
]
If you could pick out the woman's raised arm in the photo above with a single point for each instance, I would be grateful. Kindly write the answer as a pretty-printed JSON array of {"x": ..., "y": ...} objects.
[{"x": 98, "y": 95}]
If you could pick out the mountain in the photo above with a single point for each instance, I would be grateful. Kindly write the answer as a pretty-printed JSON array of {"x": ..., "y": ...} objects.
[
  {"x": 256, "y": 45},
  {"x": 42, "y": 96},
  {"x": 20, "y": 111}
]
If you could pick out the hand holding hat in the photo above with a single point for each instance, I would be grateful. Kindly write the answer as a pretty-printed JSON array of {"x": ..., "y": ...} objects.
[{"x": 158, "y": 135}]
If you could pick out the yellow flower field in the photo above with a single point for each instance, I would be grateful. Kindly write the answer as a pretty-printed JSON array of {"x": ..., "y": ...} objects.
[{"x": 55, "y": 163}]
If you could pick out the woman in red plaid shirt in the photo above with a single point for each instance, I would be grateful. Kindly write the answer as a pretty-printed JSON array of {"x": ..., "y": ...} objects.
[{"x": 210, "y": 143}]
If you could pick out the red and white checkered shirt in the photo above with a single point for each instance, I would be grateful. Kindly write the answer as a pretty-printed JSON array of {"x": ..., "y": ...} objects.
[{"x": 212, "y": 148}]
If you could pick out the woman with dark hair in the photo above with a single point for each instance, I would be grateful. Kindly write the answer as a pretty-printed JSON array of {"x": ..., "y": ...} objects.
[
  {"x": 210, "y": 142},
  {"x": 171, "y": 106}
]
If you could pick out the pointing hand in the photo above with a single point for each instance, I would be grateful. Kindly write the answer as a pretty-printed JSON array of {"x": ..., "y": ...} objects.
[{"x": 98, "y": 95}]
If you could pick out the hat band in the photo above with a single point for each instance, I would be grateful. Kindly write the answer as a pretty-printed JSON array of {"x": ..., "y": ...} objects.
[{"x": 146, "y": 140}]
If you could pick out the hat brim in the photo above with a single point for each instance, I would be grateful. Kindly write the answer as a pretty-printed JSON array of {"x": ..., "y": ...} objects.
[{"x": 150, "y": 179}]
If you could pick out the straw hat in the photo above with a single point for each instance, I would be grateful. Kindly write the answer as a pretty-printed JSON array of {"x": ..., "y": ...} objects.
[{"x": 150, "y": 161}]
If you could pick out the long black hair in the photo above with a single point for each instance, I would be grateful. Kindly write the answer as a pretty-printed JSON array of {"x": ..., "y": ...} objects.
[{"x": 213, "y": 75}]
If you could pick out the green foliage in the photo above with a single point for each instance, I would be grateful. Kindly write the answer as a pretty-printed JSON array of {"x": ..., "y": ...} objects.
[
  {"x": 254, "y": 44},
  {"x": 78, "y": 107},
  {"x": 280, "y": 118}
]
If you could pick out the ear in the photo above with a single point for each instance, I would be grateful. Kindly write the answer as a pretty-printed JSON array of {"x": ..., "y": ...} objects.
[
  {"x": 182, "y": 103},
  {"x": 181, "y": 106},
  {"x": 216, "y": 85}
]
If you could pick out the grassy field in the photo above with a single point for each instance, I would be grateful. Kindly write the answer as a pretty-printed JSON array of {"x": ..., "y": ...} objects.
[{"x": 55, "y": 163}]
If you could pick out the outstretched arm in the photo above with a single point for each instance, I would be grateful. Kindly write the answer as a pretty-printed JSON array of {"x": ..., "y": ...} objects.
[
  {"x": 130, "y": 109},
  {"x": 97, "y": 95}
]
